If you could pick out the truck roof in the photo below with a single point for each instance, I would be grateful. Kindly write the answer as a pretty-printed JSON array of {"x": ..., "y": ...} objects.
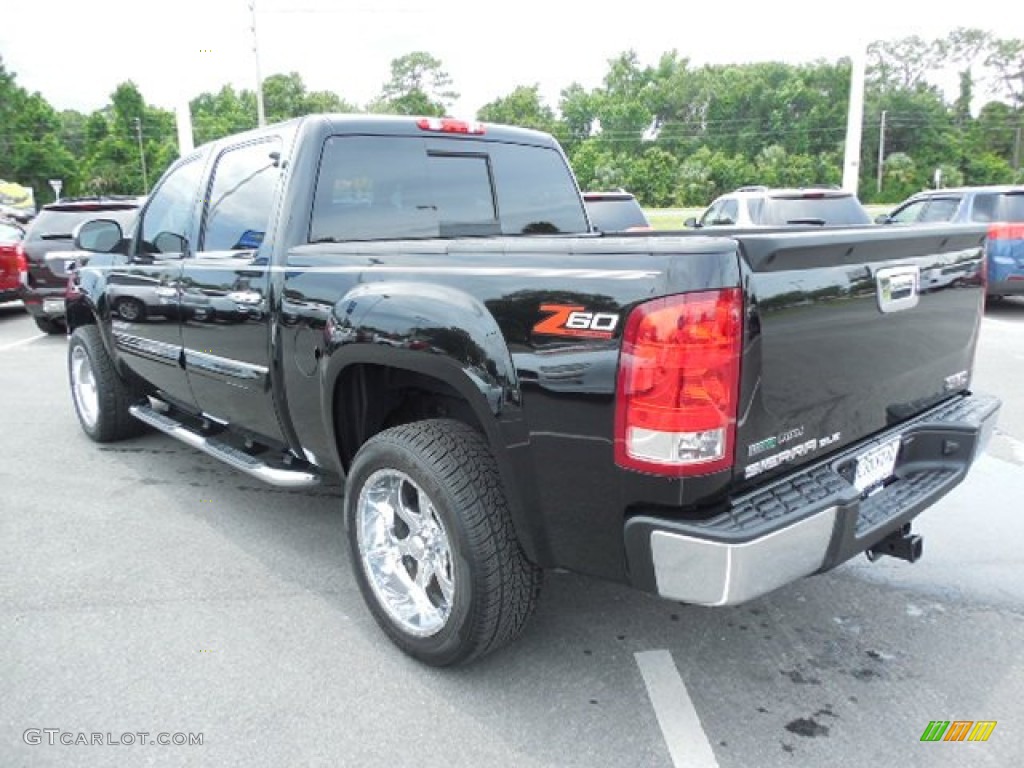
[{"x": 408, "y": 125}]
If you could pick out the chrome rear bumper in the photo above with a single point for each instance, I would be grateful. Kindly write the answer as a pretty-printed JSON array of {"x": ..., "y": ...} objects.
[{"x": 811, "y": 520}]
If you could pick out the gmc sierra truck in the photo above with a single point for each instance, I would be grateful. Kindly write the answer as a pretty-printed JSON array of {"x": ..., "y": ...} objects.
[{"x": 421, "y": 308}]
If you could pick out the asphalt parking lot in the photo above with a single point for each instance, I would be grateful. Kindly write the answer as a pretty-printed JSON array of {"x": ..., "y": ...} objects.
[{"x": 144, "y": 588}]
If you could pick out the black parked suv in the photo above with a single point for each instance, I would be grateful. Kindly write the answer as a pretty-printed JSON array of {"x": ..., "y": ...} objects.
[
  {"x": 52, "y": 232},
  {"x": 615, "y": 211}
]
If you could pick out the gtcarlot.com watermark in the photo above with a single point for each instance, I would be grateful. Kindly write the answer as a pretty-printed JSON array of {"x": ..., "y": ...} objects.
[{"x": 57, "y": 736}]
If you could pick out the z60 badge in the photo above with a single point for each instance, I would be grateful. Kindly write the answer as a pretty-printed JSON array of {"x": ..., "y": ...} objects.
[{"x": 575, "y": 321}]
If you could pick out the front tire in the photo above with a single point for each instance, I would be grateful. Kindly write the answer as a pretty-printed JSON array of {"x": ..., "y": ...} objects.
[
  {"x": 432, "y": 543},
  {"x": 101, "y": 397}
]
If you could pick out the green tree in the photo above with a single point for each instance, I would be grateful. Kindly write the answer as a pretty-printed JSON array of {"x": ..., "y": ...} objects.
[
  {"x": 215, "y": 115},
  {"x": 1006, "y": 60},
  {"x": 523, "y": 107},
  {"x": 652, "y": 177},
  {"x": 418, "y": 86},
  {"x": 134, "y": 148},
  {"x": 905, "y": 63},
  {"x": 578, "y": 108},
  {"x": 223, "y": 113},
  {"x": 32, "y": 149},
  {"x": 902, "y": 176},
  {"x": 286, "y": 96}
]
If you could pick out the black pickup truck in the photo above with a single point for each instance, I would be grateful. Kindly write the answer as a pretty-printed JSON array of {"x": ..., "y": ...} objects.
[{"x": 420, "y": 307}]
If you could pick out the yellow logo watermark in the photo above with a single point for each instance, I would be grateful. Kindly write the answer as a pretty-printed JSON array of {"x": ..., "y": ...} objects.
[{"x": 958, "y": 730}]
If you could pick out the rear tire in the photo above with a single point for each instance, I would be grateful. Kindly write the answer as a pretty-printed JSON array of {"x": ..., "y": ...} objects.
[
  {"x": 432, "y": 543},
  {"x": 101, "y": 397},
  {"x": 50, "y": 325}
]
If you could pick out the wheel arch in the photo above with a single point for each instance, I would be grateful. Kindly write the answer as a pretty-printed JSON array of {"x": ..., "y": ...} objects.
[
  {"x": 402, "y": 352},
  {"x": 372, "y": 393}
]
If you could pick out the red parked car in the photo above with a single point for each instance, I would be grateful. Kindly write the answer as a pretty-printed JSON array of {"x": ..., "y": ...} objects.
[{"x": 12, "y": 260}]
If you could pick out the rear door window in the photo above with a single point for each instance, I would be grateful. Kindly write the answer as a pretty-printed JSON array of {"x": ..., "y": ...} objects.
[
  {"x": 940, "y": 209},
  {"x": 998, "y": 206},
  {"x": 241, "y": 197},
  {"x": 1011, "y": 207}
]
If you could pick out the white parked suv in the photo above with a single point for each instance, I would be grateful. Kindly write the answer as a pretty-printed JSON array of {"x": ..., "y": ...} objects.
[{"x": 766, "y": 207}]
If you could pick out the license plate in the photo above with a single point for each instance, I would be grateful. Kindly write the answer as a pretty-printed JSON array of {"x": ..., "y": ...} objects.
[
  {"x": 53, "y": 306},
  {"x": 876, "y": 465}
]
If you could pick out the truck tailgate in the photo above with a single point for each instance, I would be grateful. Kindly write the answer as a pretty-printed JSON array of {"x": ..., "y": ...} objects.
[{"x": 850, "y": 332}]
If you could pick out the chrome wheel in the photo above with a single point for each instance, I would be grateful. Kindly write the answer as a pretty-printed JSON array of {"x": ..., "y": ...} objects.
[
  {"x": 405, "y": 552},
  {"x": 129, "y": 310},
  {"x": 83, "y": 386}
]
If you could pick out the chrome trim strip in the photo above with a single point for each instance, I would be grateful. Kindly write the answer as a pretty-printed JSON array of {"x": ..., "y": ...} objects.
[
  {"x": 714, "y": 573},
  {"x": 162, "y": 351},
  {"x": 204, "y": 362},
  {"x": 583, "y": 274},
  {"x": 283, "y": 478}
]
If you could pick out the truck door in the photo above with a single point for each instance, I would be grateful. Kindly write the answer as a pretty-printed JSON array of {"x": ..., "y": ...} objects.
[
  {"x": 226, "y": 301},
  {"x": 149, "y": 339}
]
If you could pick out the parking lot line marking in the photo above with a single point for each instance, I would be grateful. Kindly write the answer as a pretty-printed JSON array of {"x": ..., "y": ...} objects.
[
  {"x": 14, "y": 344},
  {"x": 688, "y": 745}
]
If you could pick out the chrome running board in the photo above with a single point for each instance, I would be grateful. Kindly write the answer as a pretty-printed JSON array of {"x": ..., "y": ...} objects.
[{"x": 300, "y": 476}]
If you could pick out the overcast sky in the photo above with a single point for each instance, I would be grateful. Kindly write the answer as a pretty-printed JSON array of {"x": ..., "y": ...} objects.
[{"x": 76, "y": 52}]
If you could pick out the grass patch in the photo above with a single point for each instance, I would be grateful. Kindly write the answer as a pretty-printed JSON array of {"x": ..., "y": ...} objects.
[{"x": 671, "y": 218}]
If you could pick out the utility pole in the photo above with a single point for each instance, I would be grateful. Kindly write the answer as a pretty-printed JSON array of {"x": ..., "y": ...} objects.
[
  {"x": 260, "y": 115},
  {"x": 881, "y": 151},
  {"x": 854, "y": 118},
  {"x": 142, "y": 155},
  {"x": 1016, "y": 151}
]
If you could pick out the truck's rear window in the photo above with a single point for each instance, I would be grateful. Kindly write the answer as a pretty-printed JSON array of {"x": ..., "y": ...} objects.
[
  {"x": 60, "y": 224},
  {"x": 615, "y": 214},
  {"x": 386, "y": 188}
]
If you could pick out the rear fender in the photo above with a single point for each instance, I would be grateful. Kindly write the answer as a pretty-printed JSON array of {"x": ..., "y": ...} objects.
[{"x": 446, "y": 335}]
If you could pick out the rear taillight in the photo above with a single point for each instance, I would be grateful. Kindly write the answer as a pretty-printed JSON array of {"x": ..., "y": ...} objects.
[
  {"x": 1006, "y": 232},
  {"x": 678, "y": 386},
  {"x": 22, "y": 259},
  {"x": 448, "y": 125}
]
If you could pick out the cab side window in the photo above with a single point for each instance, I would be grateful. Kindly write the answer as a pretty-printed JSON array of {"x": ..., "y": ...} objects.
[
  {"x": 711, "y": 214},
  {"x": 165, "y": 222},
  {"x": 730, "y": 212},
  {"x": 241, "y": 199},
  {"x": 909, "y": 213}
]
